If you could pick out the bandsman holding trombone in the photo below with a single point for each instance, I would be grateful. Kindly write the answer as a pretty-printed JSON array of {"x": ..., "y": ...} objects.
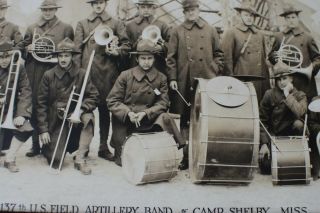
[
  {"x": 15, "y": 103},
  {"x": 52, "y": 31},
  {"x": 105, "y": 68},
  {"x": 56, "y": 86}
]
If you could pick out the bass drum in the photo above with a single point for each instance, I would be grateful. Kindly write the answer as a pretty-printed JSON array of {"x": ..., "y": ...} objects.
[
  {"x": 290, "y": 160},
  {"x": 224, "y": 131},
  {"x": 150, "y": 157}
]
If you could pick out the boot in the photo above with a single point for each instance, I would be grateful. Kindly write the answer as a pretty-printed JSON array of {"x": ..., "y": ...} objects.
[
  {"x": 35, "y": 150},
  {"x": 184, "y": 164},
  {"x": 104, "y": 152},
  {"x": 2, "y": 154},
  {"x": 83, "y": 167},
  {"x": 117, "y": 156},
  {"x": 11, "y": 166}
]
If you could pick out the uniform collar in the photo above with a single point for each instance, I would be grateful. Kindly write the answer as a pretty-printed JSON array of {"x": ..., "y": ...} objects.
[
  {"x": 73, "y": 70},
  {"x": 139, "y": 73},
  {"x": 296, "y": 31},
  {"x": 104, "y": 16},
  {"x": 140, "y": 19},
  {"x": 245, "y": 28},
  {"x": 3, "y": 22},
  {"x": 42, "y": 22},
  {"x": 188, "y": 24}
]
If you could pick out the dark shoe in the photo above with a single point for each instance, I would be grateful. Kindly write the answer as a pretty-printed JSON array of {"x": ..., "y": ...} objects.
[
  {"x": 83, "y": 167},
  {"x": 2, "y": 154},
  {"x": 184, "y": 165},
  {"x": 118, "y": 161},
  {"x": 33, "y": 152},
  {"x": 181, "y": 146},
  {"x": 11, "y": 166},
  {"x": 106, "y": 154}
]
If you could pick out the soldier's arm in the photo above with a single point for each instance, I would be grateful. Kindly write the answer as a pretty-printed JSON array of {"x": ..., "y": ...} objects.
[
  {"x": 218, "y": 58},
  {"x": 78, "y": 39},
  {"x": 314, "y": 55},
  {"x": 69, "y": 33},
  {"x": 272, "y": 57},
  {"x": 227, "y": 46},
  {"x": 17, "y": 38},
  {"x": 43, "y": 104},
  {"x": 124, "y": 42},
  {"x": 91, "y": 97},
  {"x": 24, "y": 96},
  {"x": 298, "y": 104},
  {"x": 265, "y": 111},
  {"x": 27, "y": 40},
  {"x": 172, "y": 56}
]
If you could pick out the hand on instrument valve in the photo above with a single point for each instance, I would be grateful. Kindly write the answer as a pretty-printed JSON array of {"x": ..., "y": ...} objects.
[
  {"x": 112, "y": 51},
  {"x": 29, "y": 48},
  {"x": 264, "y": 150},
  {"x": 44, "y": 138},
  {"x": 287, "y": 89},
  {"x": 174, "y": 85},
  {"x": 19, "y": 121},
  {"x": 160, "y": 42},
  {"x": 112, "y": 47}
]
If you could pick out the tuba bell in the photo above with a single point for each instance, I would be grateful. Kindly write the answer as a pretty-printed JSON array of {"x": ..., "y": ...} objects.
[
  {"x": 42, "y": 48},
  {"x": 152, "y": 33},
  {"x": 104, "y": 36}
]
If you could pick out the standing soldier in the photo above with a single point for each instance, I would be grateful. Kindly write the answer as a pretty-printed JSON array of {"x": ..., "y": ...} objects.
[
  {"x": 193, "y": 52},
  {"x": 244, "y": 49},
  {"x": 105, "y": 67},
  {"x": 146, "y": 11},
  {"x": 51, "y": 27},
  {"x": 293, "y": 34},
  {"x": 8, "y": 29}
]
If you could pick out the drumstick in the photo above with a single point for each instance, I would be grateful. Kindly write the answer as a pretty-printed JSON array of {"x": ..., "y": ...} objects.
[
  {"x": 265, "y": 129},
  {"x": 184, "y": 100},
  {"x": 305, "y": 126}
]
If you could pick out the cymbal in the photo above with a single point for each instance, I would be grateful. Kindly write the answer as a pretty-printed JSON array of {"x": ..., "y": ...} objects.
[
  {"x": 247, "y": 78},
  {"x": 314, "y": 106}
]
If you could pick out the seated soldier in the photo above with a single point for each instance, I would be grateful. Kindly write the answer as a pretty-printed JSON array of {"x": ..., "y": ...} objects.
[
  {"x": 139, "y": 101},
  {"x": 22, "y": 105},
  {"x": 281, "y": 110},
  {"x": 55, "y": 89},
  {"x": 314, "y": 127}
]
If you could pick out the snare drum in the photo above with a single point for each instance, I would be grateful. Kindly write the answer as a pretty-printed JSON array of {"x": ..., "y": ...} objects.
[
  {"x": 224, "y": 131},
  {"x": 150, "y": 157},
  {"x": 290, "y": 160}
]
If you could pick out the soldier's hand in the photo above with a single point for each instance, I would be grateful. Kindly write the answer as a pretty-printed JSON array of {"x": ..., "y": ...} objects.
[
  {"x": 29, "y": 48},
  {"x": 140, "y": 116},
  {"x": 264, "y": 150},
  {"x": 44, "y": 138},
  {"x": 132, "y": 116},
  {"x": 19, "y": 121},
  {"x": 288, "y": 89},
  {"x": 174, "y": 85},
  {"x": 160, "y": 42},
  {"x": 112, "y": 51}
]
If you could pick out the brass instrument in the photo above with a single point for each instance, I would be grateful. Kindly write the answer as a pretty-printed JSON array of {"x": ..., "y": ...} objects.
[
  {"x": 75, "y": 116},
  {"x": 13, "y": 70},
  {"x": 104, "y": 36},
  {"x": 42, "y": 48},
  {"x": 152, "y": 33}
]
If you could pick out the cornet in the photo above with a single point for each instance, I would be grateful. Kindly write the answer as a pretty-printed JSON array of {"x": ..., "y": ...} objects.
[
  {"x": 152, "y": 33},
  {"x": 104, "y": 36}
]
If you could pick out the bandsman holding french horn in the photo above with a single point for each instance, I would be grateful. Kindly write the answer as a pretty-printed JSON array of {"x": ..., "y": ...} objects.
[
  {"x": 15, "y": 103},
  {"x": 100, "y": 32},
  {"x": 40, "y": 41}
]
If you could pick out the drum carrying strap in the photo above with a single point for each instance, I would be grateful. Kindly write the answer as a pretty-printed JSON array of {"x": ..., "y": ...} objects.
[
  {"x": 50, "y": 28},
  {"x": 155, "y": 90}
]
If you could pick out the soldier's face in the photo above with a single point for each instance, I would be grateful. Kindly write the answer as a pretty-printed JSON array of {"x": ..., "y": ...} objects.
[
  {"x": 191, "y": 14},
  {"x": 49, "y": 13},
  {"x": 3, "y": 12},
  {"x": 99, "y": 6},
  {"x": 5, "y": 60},
  {"x": 146, "y": 10},
  {"x": 247, "y": 18},
  {"x": 65, "y": 59},
  {"x": 283, "y": 81},
  {"x": 146, "y": 61},
  {"x": 292, "y": 20}
]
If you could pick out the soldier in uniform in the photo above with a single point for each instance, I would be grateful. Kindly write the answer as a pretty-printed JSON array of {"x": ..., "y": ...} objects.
[
  {"x": 146, "y": 11},
  {"x": 54, "y": 91},
  {"x": 244, "y": 50},
  {"x": 282, "y": 109},
  {"x": 293, "y": 34},
  {"x": 48, "y": 26},
  {"x": 22, "y": 105},
  {"x": 193, "y": 52},
  {"x": 105, "y": 68},
  {"x": 139, "y": 101}
]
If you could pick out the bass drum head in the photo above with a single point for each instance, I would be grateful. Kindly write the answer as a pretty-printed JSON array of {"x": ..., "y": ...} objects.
[{"x": 133, "y": 160}]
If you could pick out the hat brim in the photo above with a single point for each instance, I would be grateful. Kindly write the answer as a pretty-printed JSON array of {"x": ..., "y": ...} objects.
[
  {"x": 94, "y": 1},
  {"x": 239, "y": 9},
  {"x": 144, "y": 53},
  {"x": 290, "y": 12},
  {"x": 6, "y": 52},
  {"x": 4, "y": 6},
  {"x": 50, "y": 7},
  {"x": 282, "y": 75},
  {"x": 73, "y": 52}
]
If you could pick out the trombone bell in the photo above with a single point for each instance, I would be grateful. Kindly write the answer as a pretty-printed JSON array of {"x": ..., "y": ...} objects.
[{"x": 103, "y": 35}]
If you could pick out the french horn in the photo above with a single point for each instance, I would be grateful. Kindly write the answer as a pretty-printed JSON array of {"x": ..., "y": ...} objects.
[{"x": 104, "y": 36}]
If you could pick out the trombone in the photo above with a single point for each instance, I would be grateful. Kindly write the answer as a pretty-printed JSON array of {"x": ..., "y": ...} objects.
[
  {"x": 13, "y": 70},
  {"x": 75, "y": 116}
]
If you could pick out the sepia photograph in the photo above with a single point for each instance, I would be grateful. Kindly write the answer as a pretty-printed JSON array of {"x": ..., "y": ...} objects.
[{"x": 160, "y": 106}]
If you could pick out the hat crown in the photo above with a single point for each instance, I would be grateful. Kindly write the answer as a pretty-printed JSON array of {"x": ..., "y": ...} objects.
[
  {"x": 146, "y": 45},
  {"x": 281, "y": 69},
  {"x": 66, "y": 45},
  {"x": 190, "y": 3},
  {"x": 288, "y": 9},
  {"x": 246, "y": 6},
  {"x": 3, "y": 2},
  {"x": 147, "y": 2},
  {"x": 49, "y": 4},
  {"x": 5, "y": 45}
]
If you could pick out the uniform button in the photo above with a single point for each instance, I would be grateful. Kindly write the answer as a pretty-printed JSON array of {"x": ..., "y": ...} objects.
[
  {"x": 200, "y": 59},
  {"x": 147, "y": 105},
  {"x": 190, "y": 59},
  {"x": 189, "y": 48},
  {"x": 149, "y": 92},
  {"x": 188, "y": 37},
  {"x": 133, "y": 105},
  {"x": 134, "y": 91},
  {"x": 92, "y": 41},
  {"x": 201, "y": 48}
]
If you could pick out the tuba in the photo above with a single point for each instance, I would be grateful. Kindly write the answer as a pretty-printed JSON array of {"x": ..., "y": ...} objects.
[
  {"x": 42, "y": 48},
  {"x": 152, "y": 33},
  {"x": 13, "y": 71},
  {"x": 104, "y": 36}
]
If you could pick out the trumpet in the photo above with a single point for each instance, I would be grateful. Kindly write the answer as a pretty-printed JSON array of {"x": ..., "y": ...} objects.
[
  {"x": 13, "y": 70},
  {"x": 75, "y": 116},
  {"x": 42, "y": 48},
  {"x": 104, "y": 36},
  {"x": 152, "y": 33}
]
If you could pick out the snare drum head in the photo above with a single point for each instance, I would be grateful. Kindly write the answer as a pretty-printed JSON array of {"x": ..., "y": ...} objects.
[{"x": 228, "y": 91}]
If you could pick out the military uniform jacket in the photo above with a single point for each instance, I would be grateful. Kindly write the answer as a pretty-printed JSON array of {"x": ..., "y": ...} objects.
[
  {"x": 134, "y": 91},
  {"x": 193, "y": 52},
  {"x": 57, "y": 31},
  {"x": 23, "y": 103},
  {"x": 309, "y": 50},
  {"x": 251, "y": 61},
  {"x": 54, "y": 92},
  {"x": 278, "y": 112},
  {"x": 11, "y": 31},
  {"x": 104, "y": 68}
]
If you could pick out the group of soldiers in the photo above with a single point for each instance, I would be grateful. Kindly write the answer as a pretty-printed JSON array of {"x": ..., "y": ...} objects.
[{"x": 139, "y": 81}]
